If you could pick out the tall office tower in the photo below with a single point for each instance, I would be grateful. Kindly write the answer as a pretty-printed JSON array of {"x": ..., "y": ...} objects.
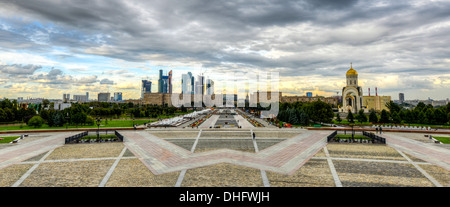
[
  {"x": 165, "y": 82},
  {"x": 308, "y": 94},
  {"x": 169, "y": 87},
  {"x": 401, "y": 97},
  {"x": 192, "y": 82},
  {"x": 146, "y": 87},
  {"x": 209, "y": 87},
  {"x": 200, "y": 85},
  {"x": 118, "y": 96},
  {"x": 87, "y": 96},
  {"x": 104, "y": 97},
  {"x": 187, "y": 83}
]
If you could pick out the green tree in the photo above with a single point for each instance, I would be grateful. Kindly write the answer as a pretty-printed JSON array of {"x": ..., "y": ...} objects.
[
  {"x": 421, "y": 119},
  {"x": 361, "y": 116},
  {"x": 373, "y": 118},
  {"x": 58, "y": 119},
  {"x": 3, "y": 115},
  {"x": 440, "y": 116},
  {"x": 396, "y": 117},
  {"x": 36, "y": 122},
  {"x": 79, "y": 118},
  {"x": 420, "y": 106},
  {"x": 45, "y": 102},
  {"x": 303, "y": 117},
  {"x": 338, "y": 117},
  {"x": 409, "y": 116},
  {"x": 393, "y": 107},
  {"x": 350, "y": 117},
  {"x": 89, "y": 121},
  {"x": 429, "y": 116},
  {"x": 321, "y": 111},
  {"x": 384, "y": 118},
  {"x": 293, "y": 116}
]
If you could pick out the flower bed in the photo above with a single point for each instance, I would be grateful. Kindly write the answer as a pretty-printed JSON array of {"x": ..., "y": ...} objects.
[
  {"x": 252, "y": 121},
  {"x": 197, "y": 123}
]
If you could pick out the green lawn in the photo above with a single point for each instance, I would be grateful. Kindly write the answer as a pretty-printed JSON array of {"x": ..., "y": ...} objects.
[
  {"x": 104, "y": 124},
  {"x": 8, "y": 139},
  {"x": 445, "y": 140}
]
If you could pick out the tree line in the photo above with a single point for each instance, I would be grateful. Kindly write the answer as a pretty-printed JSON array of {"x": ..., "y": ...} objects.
[
  {"x": 396, "y": 114},
  {"x": 305, "y": 113},
  {"x": 78, "y": 113}
]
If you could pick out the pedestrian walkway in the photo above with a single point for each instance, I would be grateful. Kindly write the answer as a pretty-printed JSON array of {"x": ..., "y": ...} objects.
[
  {"x": 243, "y": 122},
  {"x": 425, "y": 151},
  {"x": 209, "y": 122},
  {"x": 24, "y": 151},
  {"x": 161, "y": 156}
]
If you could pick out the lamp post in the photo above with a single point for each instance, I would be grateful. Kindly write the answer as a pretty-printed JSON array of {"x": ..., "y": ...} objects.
[
  {"x": 98, "y": 120},
  {"x": 67, "y": 120}
]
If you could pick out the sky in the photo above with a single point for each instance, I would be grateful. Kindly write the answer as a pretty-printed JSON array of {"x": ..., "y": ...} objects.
[{"x": 52, "y": 47}]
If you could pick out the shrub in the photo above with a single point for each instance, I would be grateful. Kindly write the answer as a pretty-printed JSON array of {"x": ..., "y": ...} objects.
[{"x": 36, "y": 121}]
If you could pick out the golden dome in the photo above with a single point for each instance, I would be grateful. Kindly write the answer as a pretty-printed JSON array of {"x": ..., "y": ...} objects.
[{"x": 352, "y": 71}]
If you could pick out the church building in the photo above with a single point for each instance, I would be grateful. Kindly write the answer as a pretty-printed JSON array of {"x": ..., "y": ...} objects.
[{"x": 352, "y": 94}]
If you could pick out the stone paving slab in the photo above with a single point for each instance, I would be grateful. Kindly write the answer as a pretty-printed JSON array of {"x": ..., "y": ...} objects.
[
  {"x": 430, "y": 153},
  {"x": 18, "y": 153},
  {"x": 133, "y": 173},
  {"x": 379, "y": 166},
  {"x": 222, "y": 175},
  {"x": 163, "y": 157},
  {"x": 315, "y": 173},
  {"x": 378, "y": 174},
  {"x": 91, "y": 150},
  {"x": 68, "y": 174},
  {"x": 9, "y": 175}
]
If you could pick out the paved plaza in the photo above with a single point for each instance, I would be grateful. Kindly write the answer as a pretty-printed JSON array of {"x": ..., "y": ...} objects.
[{"x": 204, "y": 156}]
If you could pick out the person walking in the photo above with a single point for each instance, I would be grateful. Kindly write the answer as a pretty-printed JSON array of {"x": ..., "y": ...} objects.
[
  {"x": 253, "y": 135},
  {"x": 377, "y": 129},
  {"x": 380, "y": 130}
]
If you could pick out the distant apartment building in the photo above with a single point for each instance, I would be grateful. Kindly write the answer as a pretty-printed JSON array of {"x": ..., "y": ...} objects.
[
  {"x": 104, "y": 97},
  {"x": 294, "y": 99},
  {"x": 80, "y": 98},
  {"x": 118, "y": 96},
  {"x": 401, "y": 98},
  {"x": 66, "y": 97}
]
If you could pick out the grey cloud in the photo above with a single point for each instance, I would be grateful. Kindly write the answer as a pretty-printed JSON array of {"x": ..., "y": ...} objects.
[
  {"x": 18, "y": 69},
  {"x": 106, "y": 82},
  {"x": 322, "y": 36}
]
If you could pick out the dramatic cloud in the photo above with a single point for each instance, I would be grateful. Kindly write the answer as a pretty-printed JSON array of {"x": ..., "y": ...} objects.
[
  {"x": 311, "y": 40},
  {"x": 106, "y": 82},
  {"x": 13, "y": 70}
]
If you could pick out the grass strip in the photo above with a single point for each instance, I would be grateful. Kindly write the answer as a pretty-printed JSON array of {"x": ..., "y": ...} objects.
[
  {"x": 8, "y": 139},
  {"x": 444, "y": 140}
]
